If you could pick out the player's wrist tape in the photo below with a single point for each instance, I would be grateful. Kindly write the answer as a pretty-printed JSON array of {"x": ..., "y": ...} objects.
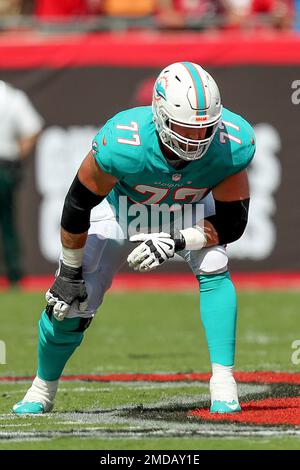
[
  {"x": 72, "y": 257},
  {"x": 194, "y": 238}
]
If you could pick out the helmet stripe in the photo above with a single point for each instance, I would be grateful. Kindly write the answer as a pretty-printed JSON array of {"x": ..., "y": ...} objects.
[{"x": 199, "y": 86}]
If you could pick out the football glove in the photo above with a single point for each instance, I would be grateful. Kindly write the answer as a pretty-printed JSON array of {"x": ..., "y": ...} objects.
[
  {"x": 68, "y": 287},
  {"x": 153, "y": 251}
]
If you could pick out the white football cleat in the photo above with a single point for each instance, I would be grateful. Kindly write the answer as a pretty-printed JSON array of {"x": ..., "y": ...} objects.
[
  {"x": 38, "y": 399},
  {"x": 224, "y": 395}
]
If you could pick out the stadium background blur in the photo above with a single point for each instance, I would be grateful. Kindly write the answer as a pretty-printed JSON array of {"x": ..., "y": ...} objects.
[{"x": 80, "y": 62}]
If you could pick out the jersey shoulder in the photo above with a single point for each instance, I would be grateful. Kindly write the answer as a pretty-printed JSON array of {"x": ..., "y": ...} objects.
[
  {"x": 121, "y": 145},
  {"x": 235, "y": 140}
]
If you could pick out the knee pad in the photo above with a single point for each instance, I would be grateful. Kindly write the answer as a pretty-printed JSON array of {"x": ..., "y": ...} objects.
[{"x": 212, "y": 260}]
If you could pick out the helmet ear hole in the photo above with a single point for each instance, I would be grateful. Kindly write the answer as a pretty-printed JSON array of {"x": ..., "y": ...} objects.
[{"x": 209, "y": 131}]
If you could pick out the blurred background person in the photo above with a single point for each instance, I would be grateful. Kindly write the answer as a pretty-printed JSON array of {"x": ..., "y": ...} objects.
[
  {"x": 237, "y": 13},
  {"x": 10, "y": 7},
  {"x": 20, "y": 125},
  {"x": 123, "y": 8},
  {"x": 187, "y": 14},
  {"x": 279, "y": 12},
  {"x": 60, "y": 9},
  {"x": 258, "y": 14},
  {"x": 184, "y": 15}
]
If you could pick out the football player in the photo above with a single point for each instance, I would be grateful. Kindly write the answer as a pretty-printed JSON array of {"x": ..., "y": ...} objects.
[{"x": 185, "y": 149}]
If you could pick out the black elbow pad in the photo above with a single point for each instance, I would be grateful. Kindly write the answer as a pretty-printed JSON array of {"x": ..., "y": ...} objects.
[
  {"x": 230, "y": 219},
  {"x": 77, "y": 207}
]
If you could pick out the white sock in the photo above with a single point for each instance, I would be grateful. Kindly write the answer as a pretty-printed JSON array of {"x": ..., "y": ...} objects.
[
  {"x": 42, "y": 391},
  {"x": 222, "y": 384},
  {"x": 220, "y": 372}
]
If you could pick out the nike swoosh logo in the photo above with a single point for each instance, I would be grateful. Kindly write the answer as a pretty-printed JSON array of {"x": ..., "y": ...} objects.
[
  {"x": 169, "y": 245},
  {"x": 231, "y": 405}
]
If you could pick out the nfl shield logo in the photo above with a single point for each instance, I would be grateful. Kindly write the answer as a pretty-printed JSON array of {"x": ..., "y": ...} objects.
[{"x": 176, "y": 177}]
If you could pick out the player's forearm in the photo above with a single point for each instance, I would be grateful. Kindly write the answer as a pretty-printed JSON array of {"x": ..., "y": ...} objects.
[
  {"x": 230, "y": 220},
  {"x": 75, "y": 222},
  {"x": 73, "y": 241},
  {"x": 226, "y": 226},
  {"x": 211, "y": 234}
]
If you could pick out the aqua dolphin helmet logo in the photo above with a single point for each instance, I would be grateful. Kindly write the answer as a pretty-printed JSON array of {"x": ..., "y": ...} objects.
[{"x": 160, "y": 87}]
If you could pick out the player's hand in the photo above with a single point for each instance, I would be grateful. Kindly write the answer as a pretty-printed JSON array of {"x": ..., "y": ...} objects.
[
  {"x": 154, "y": 250},
  {"x": 68, "y": 287}
]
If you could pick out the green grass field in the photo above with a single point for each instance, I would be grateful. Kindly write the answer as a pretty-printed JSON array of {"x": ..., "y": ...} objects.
[{"x": 143, "y": 332}]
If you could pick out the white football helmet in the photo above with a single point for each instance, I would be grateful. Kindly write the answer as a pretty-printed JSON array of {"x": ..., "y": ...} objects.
[{"x": 186, "y": 95}]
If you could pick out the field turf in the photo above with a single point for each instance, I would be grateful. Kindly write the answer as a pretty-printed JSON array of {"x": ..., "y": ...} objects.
[{"x": 153, "y": 332}]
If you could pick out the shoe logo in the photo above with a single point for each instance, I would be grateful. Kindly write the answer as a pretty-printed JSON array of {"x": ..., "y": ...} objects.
[{"x": 233, "y": 405}]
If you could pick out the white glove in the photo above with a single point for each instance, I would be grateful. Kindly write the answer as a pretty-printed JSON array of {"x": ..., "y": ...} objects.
[
  {"x": 60, "y": 308},
  {"x": 153, "y": 250}
]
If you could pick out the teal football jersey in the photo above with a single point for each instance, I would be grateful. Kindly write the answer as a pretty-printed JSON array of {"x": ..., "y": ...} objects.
[{"x": 128, "y": 147}]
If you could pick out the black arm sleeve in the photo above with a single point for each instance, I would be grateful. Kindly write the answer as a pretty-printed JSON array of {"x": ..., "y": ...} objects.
[
  {"x": 230, "y": 220},
  {"x": 77, "y": 207}
]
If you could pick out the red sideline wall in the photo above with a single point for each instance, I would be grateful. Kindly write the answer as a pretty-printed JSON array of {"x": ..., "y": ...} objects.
[
  {"x": 78, "y": 81},
  {"x": 148, "y": 49}
]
